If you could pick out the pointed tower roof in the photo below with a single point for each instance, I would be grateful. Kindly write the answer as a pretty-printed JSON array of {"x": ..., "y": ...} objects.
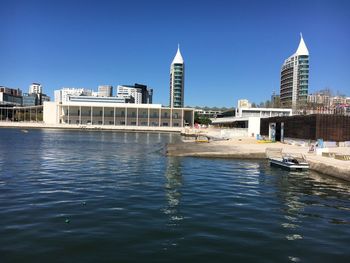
[
  {"x": 302, "y": 49},
  {"x": 178, "y": 58}
]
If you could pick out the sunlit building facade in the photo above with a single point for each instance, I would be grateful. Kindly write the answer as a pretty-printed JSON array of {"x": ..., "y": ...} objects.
[
  {"x": 177, "y": 79},
  {"x": 295, "y": 78}
]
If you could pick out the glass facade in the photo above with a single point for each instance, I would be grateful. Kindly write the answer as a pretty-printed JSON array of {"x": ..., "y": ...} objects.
[
  {"x": 294, "y": 78},
  {"x": 177, "y": 85}
]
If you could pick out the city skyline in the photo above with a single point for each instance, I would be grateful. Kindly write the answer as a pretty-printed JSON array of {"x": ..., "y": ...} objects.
[{"x": 233, "y": 49}]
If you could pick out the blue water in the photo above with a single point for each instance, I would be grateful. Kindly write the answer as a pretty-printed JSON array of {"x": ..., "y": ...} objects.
[{"x": 80, "y": 196}]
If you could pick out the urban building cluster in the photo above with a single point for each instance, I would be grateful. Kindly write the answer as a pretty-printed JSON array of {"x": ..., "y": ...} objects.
[
  {"x": 324, "y": 103},
  {"x": 131, "y": 105},
  {"x": 10, "y": 97},
  {"x": 138, "y": 94}
]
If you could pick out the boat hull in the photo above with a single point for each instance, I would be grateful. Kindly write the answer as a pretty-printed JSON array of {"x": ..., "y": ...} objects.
[{"x": 288, "y": 165}]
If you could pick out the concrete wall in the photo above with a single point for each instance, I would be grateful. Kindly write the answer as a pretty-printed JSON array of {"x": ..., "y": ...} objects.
[
  {"x": 253, "y": 126},
  {"x": 50, "y": 112}
]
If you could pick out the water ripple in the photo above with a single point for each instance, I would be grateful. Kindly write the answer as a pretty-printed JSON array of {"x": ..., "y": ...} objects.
[{"x": 109, "y": 196}]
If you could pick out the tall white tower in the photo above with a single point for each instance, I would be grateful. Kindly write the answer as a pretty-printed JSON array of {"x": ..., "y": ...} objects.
[
  {"x": 295, "y": 78},
  {"x": 177, "y": 79}
]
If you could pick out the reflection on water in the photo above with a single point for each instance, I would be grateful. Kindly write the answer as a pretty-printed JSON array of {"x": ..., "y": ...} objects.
[
  {"x": 126, "y": 201},
  {"x": 172, "y": 188}
]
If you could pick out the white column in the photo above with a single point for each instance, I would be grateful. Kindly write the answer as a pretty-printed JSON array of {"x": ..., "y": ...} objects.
[
  {"x": 58, "y": 113},
  {"x": 114, "y": 115},
  {"x": 137, "y": 116},
  {"x": 160, "y": 113},
  {"x": 148, "y": 117},
  {"x": 103, "y": 115},
  {"x": 91, "y": 111},
  {"x": 79, "y": 114},
  {"x": 68, "y": 114},
  {"x": 182, "y": 117},
  {"x": 192, "y": 118},
  {"x": 171, "y": 117},
  {"x": 126, "y": 116}
]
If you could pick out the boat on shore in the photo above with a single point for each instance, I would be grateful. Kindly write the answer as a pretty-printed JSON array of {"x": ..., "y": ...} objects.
[
  {"x": 290, "y": 162},
  {"x": 286, "y": 160}
]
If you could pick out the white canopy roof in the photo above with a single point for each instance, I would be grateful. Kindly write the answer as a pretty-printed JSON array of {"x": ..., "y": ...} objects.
[
  {"x": 302, "y": 49},
  {"x": 178, "y": 58}
]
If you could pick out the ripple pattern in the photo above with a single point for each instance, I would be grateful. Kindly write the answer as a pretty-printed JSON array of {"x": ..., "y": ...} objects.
[{"x": 81, "y": 196}]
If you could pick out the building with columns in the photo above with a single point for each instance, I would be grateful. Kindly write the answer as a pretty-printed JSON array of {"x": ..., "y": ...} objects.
[{"x": 117, "y": 114}]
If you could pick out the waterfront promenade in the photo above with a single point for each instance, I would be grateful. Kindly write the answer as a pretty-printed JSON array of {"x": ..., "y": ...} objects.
[{"x": 249, "y": 148}]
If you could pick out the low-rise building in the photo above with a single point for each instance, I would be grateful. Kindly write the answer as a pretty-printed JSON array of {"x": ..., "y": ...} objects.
[
  {"x": 10, "y": 96},
  {"x": 29, "y": 100},
  {"x": 244, "y": 103},
  {"x": 208, "y": 113},
  {"x": 116, "y": 114},
  {"x": 64, "y": 94},
  {"x": 249, "y": 118}
]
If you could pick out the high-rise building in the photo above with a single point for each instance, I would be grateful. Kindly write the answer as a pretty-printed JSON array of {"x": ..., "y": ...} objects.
[
  {"x": 35, "y": 88},
  {"x": 177, "y": 79},
  {"x": 295, "y": 78},
  {"x": 140, "y": 93},
  {"x": 105, "y": 91}
]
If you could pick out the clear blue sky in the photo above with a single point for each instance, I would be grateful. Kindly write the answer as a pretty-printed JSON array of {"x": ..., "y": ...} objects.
[{"x": 232, "y": 49}]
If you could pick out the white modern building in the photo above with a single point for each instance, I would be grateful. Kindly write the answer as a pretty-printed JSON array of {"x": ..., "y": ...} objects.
[
  {"x": 141, "y": 93},
  {"x": 249, "y": 118},
  {"x": 177, "y": 81},
  {"x": 243, "y": 103},
  {"x": 130, "y": 91},
  {"x": 105, "y": 91},
  {"x": 118, "y": 115},
  {"x": 35, "y": 88},
  {"x": 64, "y": 94},
  {"x": 295, "y": 78}
]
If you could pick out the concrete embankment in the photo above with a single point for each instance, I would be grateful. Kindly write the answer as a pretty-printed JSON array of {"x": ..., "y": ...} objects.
[
  {"x": 250, "y": 149},
  {"x": 214, "y": 150},
  {"x": 329, "y": 166}
]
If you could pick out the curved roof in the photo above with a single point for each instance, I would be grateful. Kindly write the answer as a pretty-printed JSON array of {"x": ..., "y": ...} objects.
[
  {"x": 302, "y": 49},
  {"x": 178, "y": 58}
]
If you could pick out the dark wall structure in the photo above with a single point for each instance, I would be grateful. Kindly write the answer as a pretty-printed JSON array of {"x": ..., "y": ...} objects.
[{"x": 310, "y": 127}]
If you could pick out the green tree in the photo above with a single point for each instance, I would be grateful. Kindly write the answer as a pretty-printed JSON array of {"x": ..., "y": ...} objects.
[{"x": 201, "y": 119}]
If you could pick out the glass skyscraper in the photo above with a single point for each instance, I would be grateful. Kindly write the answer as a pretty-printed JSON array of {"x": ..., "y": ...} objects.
[
  {"x": 295, "y": 78},
  {"x": 177, "y": 78}
]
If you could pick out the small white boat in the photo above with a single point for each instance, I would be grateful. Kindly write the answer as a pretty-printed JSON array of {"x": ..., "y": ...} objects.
[{"x": 290, "y": 162}]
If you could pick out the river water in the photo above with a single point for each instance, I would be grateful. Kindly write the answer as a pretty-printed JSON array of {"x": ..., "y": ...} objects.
[{"x": 80, "y": 196}]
